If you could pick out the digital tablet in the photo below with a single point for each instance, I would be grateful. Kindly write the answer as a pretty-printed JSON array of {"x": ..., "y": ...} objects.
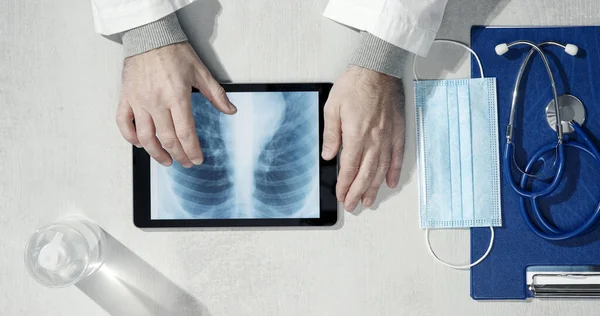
[{"x": 262, "y": 166}]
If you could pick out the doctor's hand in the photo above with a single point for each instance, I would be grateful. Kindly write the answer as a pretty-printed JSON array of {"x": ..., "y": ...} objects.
[
  {"x": 155, "y": 109},
  {"x": 363, "y": 116}
]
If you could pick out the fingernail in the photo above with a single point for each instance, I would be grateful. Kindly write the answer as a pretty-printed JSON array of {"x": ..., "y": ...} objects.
[
  {"x": 197, "y": 161},
  {"x": 394, "y": 184},
  {"x": 351, "y": 208},
  {"x": 368, "y": 202},
  {"x": 138, "y": 146},
  {"x": 232, "y": 107}
]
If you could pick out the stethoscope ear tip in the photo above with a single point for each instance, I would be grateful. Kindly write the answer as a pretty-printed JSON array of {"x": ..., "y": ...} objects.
[
  {"x": 571, "y": 49},
  {"x": 501, "y": 49}
]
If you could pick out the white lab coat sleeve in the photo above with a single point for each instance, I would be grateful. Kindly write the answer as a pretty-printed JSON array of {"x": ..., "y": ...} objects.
[
  {"x": 408, "y": 24},
  {"x": 114, "y": 16}
]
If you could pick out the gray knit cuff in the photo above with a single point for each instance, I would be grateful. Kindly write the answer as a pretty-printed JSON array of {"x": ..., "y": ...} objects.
[
  {"x": 378, "y": 55},
  {"x": 163, "y": 32}
]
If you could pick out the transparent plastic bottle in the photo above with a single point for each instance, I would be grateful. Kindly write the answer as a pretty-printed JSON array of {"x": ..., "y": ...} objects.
[{"x": 64, "y": 252}]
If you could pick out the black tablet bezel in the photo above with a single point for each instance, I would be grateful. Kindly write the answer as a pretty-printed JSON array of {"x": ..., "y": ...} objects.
[{"x": 327, "y": 176}]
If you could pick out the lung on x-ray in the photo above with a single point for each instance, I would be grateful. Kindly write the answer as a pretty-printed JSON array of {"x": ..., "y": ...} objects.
[{"x": 262, "y": 162}]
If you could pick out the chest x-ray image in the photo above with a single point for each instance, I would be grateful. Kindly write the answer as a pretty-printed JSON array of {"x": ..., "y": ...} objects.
[{"x": 262, "y": 162}]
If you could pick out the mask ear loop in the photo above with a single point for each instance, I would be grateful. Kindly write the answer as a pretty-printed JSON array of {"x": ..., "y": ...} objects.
[
  {"x": 489, "y": 249},
  {"x": 457, "y": 267},
  {"x": 454, "y": 43}
]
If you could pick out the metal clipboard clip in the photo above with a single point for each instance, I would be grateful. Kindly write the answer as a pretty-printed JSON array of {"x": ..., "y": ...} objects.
[{"x": 564, "y": 282}]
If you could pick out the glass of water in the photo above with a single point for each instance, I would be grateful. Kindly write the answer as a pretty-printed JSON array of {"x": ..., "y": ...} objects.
[{"x": 64, "y": 252}]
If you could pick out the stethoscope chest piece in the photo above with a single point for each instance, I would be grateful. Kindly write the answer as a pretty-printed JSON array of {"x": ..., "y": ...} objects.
[{"x": 571, "y": 109}]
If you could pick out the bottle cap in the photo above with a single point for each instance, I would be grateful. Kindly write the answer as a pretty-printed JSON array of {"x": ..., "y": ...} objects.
[{"x": 53, "y": 255}]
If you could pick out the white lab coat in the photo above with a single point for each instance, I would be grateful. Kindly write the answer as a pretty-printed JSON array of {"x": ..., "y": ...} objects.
[{"x": 409, "y": 24}]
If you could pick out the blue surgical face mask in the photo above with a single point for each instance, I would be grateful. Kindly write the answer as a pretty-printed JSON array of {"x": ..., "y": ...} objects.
[{"x": 457, "y": 142}]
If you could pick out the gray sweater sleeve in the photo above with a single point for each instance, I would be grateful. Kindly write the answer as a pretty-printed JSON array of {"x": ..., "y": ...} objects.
[
  {"x": 372, "y": 53},
  {"x": 376, "y": 54},
  {"x": 163, "y": 32}
]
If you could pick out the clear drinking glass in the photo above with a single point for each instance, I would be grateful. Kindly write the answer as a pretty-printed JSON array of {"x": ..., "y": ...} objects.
[{"x": 64, "y": 252}]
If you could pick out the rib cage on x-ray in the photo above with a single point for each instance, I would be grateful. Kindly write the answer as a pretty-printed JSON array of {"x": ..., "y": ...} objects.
[
  {"x": 262, "y": 162},
  {"x": 286, "y": 165}
]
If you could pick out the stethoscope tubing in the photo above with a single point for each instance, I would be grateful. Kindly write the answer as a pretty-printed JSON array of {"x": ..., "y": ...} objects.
[
  {"x": 549, "y": 231},
  {"x": 523, "y": 191}
]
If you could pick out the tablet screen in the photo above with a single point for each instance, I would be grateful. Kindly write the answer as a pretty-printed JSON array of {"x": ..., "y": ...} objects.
[{"x": 260, "y": 163}]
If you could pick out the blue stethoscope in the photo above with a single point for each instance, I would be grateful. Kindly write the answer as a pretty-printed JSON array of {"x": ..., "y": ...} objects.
[{"x": 569, "y": 106}]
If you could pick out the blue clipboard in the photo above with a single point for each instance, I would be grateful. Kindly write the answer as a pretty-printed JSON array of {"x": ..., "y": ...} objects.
[{"x": 502, "y": 275}]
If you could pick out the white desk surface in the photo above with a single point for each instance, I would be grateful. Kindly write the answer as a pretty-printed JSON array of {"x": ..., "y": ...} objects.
[{"x": 61, "y": 153}]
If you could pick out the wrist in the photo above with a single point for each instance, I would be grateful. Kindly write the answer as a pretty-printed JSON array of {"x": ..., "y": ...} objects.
[
  {"x": 378, "y": 82},
  {"x": 374, "y": 77},
  {"x": 163, "y": 32}
]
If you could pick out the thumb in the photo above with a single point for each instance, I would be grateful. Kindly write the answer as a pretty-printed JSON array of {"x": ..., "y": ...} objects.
[
  {"x": 332, "y": 133},
  {"x": 214, "y": 92}
]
